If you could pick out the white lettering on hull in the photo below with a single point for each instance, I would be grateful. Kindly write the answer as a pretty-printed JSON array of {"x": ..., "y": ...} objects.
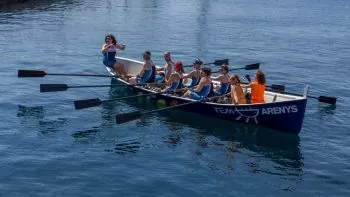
[
  {"x": 250, "y": 113},
  {"x": 279, "y": 110}
]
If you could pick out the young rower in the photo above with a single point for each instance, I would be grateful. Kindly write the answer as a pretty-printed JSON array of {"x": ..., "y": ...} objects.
[
  {"x": 203, "y": 88},
  {"x": 257, "y": 88},
  {"x": 237, "y": 95},
  {"x": 224, "y": 80},
  {"x": 195, "y": 74},
  {"x": 147, "y": 73},
  {"x": 164, "y": 73},
  {"x": 175, "y": 79},
  {"x": 109, "y": 50}
]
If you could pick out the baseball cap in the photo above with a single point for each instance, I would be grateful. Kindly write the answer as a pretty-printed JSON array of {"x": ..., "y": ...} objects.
[{"x": 197, "y": 62}]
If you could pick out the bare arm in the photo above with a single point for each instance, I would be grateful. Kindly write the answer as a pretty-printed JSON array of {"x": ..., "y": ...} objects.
[
  {"x": 120, "y": 46},
  {"x": 171, "y": 79},
  {"x": 246, "y": 86},
  {"x": 216, "y": 78},
  {"x": 105, "y": 47},
  {"x": 189, "y": 75},
  {"x": 142, "y": 70},
  {"x": 199, "y": 86}
]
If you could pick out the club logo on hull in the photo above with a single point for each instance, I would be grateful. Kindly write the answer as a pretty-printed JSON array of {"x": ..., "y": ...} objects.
[{"x": 252, "y": 114}]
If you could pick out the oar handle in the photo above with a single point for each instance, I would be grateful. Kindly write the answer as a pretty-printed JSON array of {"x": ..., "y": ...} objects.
[
  {"x": 183, "y": 104},
  {"x": 86, "y": 75},
  {"x": 133, "y": 96}
]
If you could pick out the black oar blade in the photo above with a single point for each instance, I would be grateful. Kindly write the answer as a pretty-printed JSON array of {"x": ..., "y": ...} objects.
[
  {"x": 252, "y": 66},
  {"x": 82, "y": 104},
  {"x": 53, "y": 87},
  {"x": 31, "y": 73},
  {"x": 277, "y": 88},
  {"x": 326, "y": 99},
  {"x": 126, "y": 117},
  {"x": 221, "y": 62}
]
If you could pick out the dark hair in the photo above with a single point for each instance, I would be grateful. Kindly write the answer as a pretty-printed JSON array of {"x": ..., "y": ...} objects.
[
  {"x": 114, "y": 41},
  {"x": 147, "y": 52},
  {"x": 224, "y": 67},
  {"x": 260, "y": 76},
  {"x": 207, "y": 71},
  {"x": 236, "y": 77}
]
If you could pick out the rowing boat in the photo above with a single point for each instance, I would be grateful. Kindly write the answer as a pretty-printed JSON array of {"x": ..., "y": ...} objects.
[{"x": 281, "y": 111}]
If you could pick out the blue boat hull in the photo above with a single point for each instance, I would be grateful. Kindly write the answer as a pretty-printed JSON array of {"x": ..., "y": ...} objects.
[{"x": 284, "y": 116}]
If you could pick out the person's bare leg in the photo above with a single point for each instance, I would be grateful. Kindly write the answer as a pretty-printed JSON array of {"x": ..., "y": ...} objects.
[
  {"x": 119, "y": 68},
  {"x": 187, "y": 94},
  {"x": 132, "y": 80}
]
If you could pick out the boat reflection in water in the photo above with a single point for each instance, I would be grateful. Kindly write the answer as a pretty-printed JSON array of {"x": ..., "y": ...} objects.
[{"x": 256, "y": 144}]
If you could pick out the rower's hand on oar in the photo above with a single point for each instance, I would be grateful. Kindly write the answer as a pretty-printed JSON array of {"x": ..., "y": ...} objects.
[{"x": 248, "y": 77}]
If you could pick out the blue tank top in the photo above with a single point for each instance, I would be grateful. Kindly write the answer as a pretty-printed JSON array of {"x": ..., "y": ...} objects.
[
  {"x": 176, "y": 84},
  {"x": 195, "y": 81},
  {"x": 224, "y": 88},
  {"x": 109, "y": 55},
  {"x": 205, "y": 91},
  {"x": 148, "y": 75}
]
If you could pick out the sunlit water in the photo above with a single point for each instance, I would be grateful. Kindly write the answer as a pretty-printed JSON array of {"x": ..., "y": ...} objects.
[{"x": 48, "y": 148}]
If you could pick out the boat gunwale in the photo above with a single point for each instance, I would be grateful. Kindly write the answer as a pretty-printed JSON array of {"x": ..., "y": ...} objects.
[{"x": 293, "y": 98}]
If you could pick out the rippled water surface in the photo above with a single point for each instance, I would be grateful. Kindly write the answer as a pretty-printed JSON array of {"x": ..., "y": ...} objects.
[{"x": 48, "y": 148}]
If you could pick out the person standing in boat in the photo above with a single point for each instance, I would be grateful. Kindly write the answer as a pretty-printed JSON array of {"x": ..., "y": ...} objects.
[
  {"x": 164, "y": 73},
  {"x": 147, "y": 73},
  {"x": 175, "y": 79},
  {"x": 109, "y": 50},
  {"x": 195, "y": 74},
  {"x": 224, "y": 80},
  {"x": 204, "y": 87},
  {"x": 257, "y": 88},
  {"x": 236, "y": 94}
]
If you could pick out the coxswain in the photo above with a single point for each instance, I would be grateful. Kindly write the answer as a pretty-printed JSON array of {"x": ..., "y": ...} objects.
[{"x": 109, "y": 50}]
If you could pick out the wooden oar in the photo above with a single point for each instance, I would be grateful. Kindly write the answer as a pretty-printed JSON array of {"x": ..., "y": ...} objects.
[
  {"x": 64, "y": 87},
  {"x": 281, "y": 88},
  {"x": 39, "y": 73},
  {"x": 126, "y": 117},
  {"x": 216, "y": 62},
  {"x": 86, "y": 103},
  {"x": 247, "y": 67}
]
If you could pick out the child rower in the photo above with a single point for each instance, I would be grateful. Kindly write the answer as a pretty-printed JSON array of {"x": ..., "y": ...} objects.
[
  {"x": 237, "y": 95},
  {"x": 257, "y": 88}
]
